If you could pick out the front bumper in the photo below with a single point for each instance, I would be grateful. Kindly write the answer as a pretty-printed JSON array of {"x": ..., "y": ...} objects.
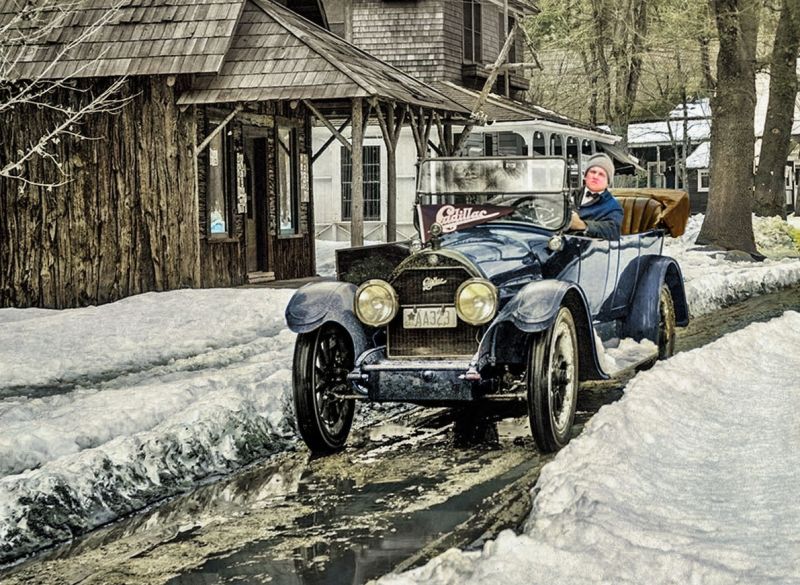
[{"x": 411, "y": 380}]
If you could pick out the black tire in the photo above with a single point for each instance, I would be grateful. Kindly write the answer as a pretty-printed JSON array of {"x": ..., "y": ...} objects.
[
  {"x": 553, "y": 383},
  {"x": 322, "y": 360},
  {"x": 666, "y": 324}
]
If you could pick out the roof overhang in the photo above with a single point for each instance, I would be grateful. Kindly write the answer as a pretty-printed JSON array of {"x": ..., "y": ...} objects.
[{"x": 619, "y": 154}]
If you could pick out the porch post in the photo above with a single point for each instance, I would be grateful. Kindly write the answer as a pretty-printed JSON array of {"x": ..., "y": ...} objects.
[{"x": 357, "y": 184}]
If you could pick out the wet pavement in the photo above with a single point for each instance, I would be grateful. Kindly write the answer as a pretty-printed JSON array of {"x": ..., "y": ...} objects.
[{"x": 400, "y": 493}]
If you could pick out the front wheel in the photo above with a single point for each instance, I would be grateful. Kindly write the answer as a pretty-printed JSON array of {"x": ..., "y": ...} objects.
[
  {"x": 553, "y": 383},
  {"x": 322, "y": 360}
]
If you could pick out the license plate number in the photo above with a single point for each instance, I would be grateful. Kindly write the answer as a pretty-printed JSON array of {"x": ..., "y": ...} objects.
[{"x": 429, "y": 318}]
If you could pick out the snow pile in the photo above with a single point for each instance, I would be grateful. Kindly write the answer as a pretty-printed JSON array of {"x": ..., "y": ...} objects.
[
  {"x": 775, "y": 237},
  {"x": 616, "y": 354},
  {"x": 78, "y": 346},
  {"x": 690, "y": 478},
  {"x": 196, "y": 384},
  {"x": 713, "y": 280}
]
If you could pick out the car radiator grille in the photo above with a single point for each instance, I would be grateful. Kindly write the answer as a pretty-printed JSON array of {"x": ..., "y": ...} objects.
[{"x": 452, "y": 342}]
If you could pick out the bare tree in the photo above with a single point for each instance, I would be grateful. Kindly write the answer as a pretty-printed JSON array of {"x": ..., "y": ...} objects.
[
  {"x": 38, "y": 22},
  {"x": 728, "y": 223},
  {"x": 775, "y": 142}
]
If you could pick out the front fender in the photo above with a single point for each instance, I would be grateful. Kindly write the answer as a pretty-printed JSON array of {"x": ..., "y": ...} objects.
[
  {"x": 533, "y": 310},
  {"x": 318, "y": 303},
  {"x": 643, "y": 315}
]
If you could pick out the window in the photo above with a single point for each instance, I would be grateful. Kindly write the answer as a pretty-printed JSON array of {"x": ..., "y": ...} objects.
[
  {"x": 556, "y": 145},
  {"x": 287, "y": 180},
  {"x": 586, "y": 147},
  {"x": 472, "y": 31},
  {"x": 572, "y": 148},
  {"x": 538, "y": 143},
  {"x": 702, "y": 180},
  {"x": 371, "y": 164},
  {"x": 220, "y": 175},
  {"x": 512, "y": 53},
  {"x": 655, "y": 174}
]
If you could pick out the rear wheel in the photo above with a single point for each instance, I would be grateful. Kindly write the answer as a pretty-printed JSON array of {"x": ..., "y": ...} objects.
[
  {"x": 322, "y": 360},
  {"x": 666, "y": 324},
  {"x": 553, "y": 383}
]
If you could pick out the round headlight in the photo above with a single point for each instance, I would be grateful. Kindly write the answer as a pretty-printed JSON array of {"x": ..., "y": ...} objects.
[
  {"x": 376, "y": 303},
  {"x": 476, "y": 301}
]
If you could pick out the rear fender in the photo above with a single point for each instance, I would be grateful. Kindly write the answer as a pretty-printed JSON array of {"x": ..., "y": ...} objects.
[
  {"x": 318, "y": 303},
  {"x": 642, "y": 316},
  {"x": 532, "y": 311}
]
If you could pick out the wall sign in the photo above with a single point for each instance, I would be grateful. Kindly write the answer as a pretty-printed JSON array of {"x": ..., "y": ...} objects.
[{"x": 241, "y": 189}]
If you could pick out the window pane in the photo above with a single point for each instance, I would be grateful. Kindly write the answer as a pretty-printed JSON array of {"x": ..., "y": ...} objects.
[
  {"x": 538, "y": 143},
  {"x": 586, "y": 147},
  {"x": 217, "y": 202},
  {"x": 556, "y": 146},
  {"x": 572, "y": 148},
  {"x": 371, "y": 165},
  {"x": 287, "y": 180}
]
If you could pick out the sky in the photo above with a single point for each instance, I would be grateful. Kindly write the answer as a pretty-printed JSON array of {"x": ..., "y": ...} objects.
[{"x": 104, "y": 410}]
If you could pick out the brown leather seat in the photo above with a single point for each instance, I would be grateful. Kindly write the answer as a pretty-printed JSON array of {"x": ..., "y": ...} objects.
[{"x": 641, "y": 214}]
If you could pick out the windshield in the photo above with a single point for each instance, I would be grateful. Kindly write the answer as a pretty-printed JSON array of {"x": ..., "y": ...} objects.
[
  {"x": 530, "y": 190},
  {"x": 491, "y": 176}
]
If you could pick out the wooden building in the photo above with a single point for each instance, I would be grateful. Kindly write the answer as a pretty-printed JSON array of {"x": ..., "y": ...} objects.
[
  {"x": 202, "y": 177},
  {"x": 436, "y": 40}
]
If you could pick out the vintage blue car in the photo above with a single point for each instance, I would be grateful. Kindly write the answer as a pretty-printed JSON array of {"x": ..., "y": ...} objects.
[{"x": 496, "y": 302}]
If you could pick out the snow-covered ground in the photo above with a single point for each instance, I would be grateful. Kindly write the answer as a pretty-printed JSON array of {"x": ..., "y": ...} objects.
[
  {"x": 690, "y": 478},
  {"x": 104, "y": 410}
]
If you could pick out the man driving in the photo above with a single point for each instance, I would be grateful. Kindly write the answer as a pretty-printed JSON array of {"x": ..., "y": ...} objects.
[{"x": 599, "y": 215}]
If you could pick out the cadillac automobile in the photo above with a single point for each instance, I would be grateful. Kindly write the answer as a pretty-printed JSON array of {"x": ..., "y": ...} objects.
[{"x": 494, "y": 302}]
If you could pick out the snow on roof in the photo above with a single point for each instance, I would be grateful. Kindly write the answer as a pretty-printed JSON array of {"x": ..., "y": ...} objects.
[
  {"x": 698, "y": 109},
  {"x": 700, "y": 158},
  {"x": 646, "y": 133}
]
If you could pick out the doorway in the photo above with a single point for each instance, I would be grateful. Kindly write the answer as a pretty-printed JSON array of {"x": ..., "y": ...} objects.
[{"x": 257, "y": 243}]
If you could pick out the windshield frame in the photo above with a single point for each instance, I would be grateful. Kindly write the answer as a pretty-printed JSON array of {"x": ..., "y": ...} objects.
[{"x": 500, "y": 197}]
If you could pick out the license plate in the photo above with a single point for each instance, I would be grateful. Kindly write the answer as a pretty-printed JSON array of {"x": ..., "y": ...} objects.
[{"x": 429, "y": 318}]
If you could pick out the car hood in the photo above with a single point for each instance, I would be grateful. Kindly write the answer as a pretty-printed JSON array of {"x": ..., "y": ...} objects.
[{"x": 508, "y": 256}]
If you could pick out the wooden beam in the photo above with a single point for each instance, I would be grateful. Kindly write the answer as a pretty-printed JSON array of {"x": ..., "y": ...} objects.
[
  {"x": 416, "y": 130},
  {"x": 199, "y": 148},
  {"x": 462, "y": 137},
  {"x": 330, "y": 139},
  {"x": 387, "y": 124},
  {"x": 328, "y": 124},
  {"x": 493, "y": 71},
  {"x": 357, "y": 182}
]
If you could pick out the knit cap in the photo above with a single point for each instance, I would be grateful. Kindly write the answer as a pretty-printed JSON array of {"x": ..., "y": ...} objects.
[{"x": 603, "y": 161}]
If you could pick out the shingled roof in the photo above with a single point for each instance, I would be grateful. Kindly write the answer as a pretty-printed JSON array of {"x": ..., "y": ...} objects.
[
  {"x": 137, "y": 37},
  {"x": 502, "y": 109},
  {"x": 243, "y": 50},
  {"x": 278, "y": 55}
]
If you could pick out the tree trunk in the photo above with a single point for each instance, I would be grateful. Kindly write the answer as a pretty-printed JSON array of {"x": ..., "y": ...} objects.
[
  {"x": 770, "y": 197},
  {"x": 728, "y": 223}
]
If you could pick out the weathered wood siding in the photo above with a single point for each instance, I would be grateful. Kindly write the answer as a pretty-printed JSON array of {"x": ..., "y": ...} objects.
[
  {"x": 125, "y": 221},
  {"x": 408, "y": 35},
  {"x": 425, "y": 38}
]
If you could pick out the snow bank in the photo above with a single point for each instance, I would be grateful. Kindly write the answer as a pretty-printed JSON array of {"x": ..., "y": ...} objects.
[
  {"x": 690, "y": 478},
  {"x": 197, "y": 384},
  {"x": 80, "y": 346},
  {"x": 713, "y": 280}
]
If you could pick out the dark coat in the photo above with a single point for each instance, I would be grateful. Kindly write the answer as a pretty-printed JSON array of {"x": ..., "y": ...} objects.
[{"x": 603, "y": 217}]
